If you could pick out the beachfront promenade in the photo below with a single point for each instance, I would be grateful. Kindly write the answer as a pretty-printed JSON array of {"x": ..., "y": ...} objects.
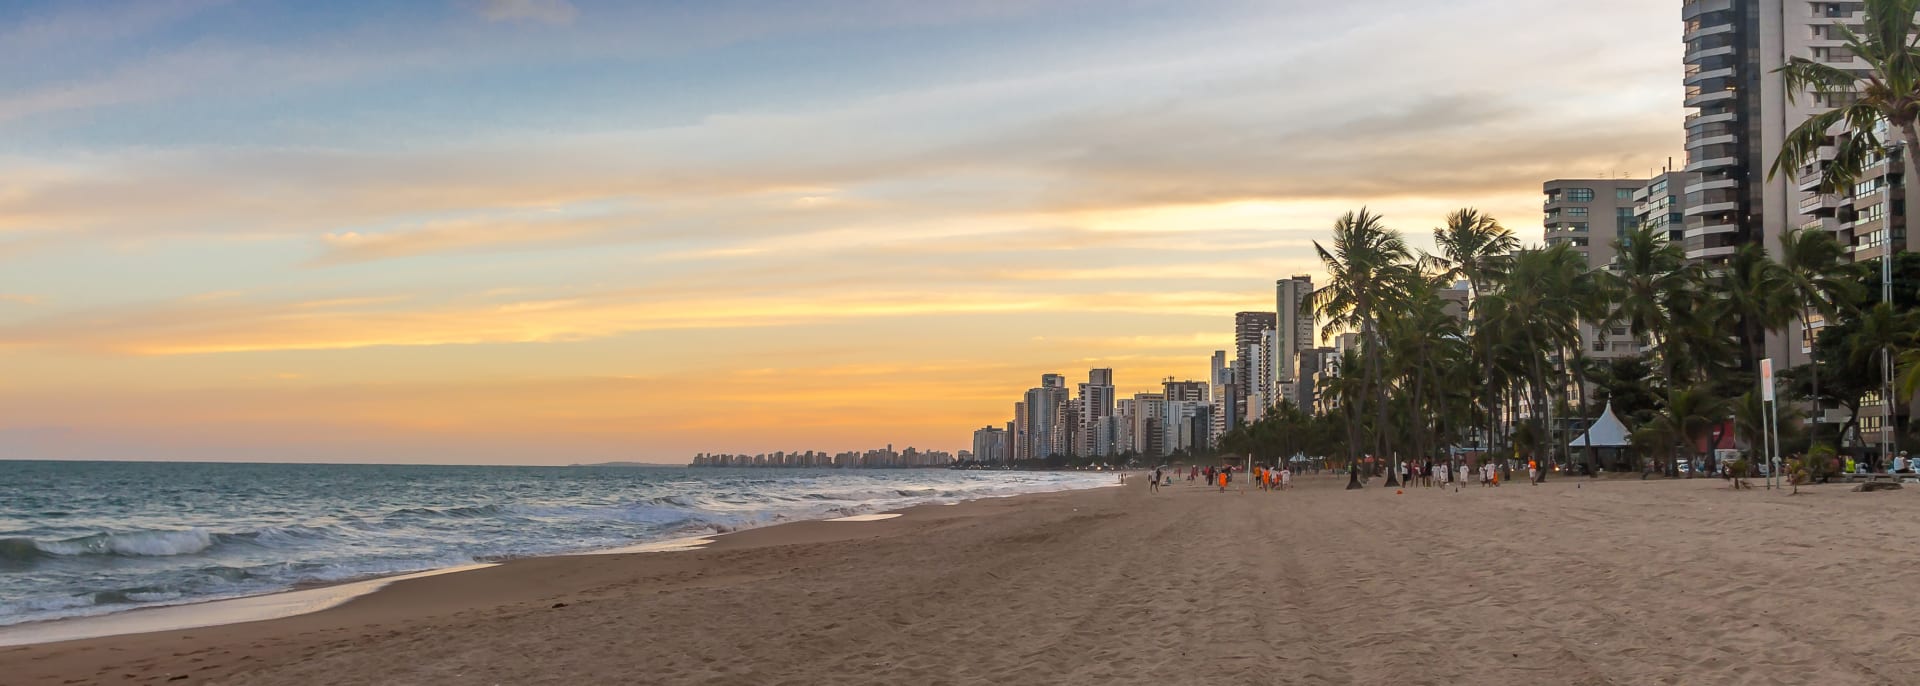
[{"x": 1614, "y": 582}]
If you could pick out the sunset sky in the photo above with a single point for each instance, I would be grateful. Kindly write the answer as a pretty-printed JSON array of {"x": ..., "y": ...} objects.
[{"x": 553, "y": 231}]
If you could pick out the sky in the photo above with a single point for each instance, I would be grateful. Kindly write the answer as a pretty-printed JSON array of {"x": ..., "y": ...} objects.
[{"x": 559, "y": 231}]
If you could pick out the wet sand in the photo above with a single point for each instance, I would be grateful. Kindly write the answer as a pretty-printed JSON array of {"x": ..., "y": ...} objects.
[{"x": 1613, "y": 582}]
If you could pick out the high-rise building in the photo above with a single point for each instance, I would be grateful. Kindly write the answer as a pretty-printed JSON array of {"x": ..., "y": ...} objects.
[
  {"x": 1045, "y": 414},
  {"x": 1731, "y": 48},
  {"x": 1591, "y": 215},
  {"x": 1744, "y": 111},
  {"x": 1095, "y": 404},
  {"x": 1293, "y": 332},
  {"x": 991, "y": 444},
  {"x": 1247, "y": 330},
  {"x": 1021, "y": 431},
  {"x": 1662, "y": 206},
  {"x": 1260, "y": 397},
  {"x": 1149, "y": 435}
]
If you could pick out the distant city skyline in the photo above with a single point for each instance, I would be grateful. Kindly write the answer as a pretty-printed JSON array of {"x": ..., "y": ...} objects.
[{"x": 563, "y": 231}]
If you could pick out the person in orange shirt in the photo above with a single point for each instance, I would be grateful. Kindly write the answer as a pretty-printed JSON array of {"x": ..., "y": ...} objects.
[
  {"x": 1533, "y": 471},
  {"x": 1223, "y": 481}
]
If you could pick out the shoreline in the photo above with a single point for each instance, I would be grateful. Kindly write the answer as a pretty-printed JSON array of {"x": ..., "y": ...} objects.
[
  {"x": 1573, "y": 581},
  {"x": 304, "y": 599}
]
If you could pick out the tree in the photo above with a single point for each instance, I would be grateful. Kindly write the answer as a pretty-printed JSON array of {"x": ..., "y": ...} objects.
[
  {"x": 1543, "y": 317},
  {"x": 1475, "y": 247},
  {"x": 1888, "y": 90},
  {"x": 1647, "y": 269},
  {"x": 1814, "y": 274},
  {"x": 1687, "y": 416},
  {"x": 1366, "y": 263}
]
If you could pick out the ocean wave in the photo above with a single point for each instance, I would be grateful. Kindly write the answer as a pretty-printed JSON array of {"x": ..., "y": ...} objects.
[
  {"x": 464, "y": 512},
  {"x": 129, "y": 544}
]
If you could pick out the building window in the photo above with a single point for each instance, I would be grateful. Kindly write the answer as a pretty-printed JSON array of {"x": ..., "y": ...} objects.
[
  {"x": 1576, "y": 211},
  {"x": 1580, "y": 195},
  {"x": 1622, "y": 194},
  {"x": 1599, "y": 345}
]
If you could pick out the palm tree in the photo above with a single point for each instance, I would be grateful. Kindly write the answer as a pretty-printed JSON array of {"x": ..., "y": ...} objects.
[
  {"x": 1888, "y": 90},
  {"x": 1686, "y": 416},
  {"x": 1542, "y": 309},
  {"x": 1753, "y": 292},
  {"x": 1363, "y": 267},
  {"x": 1815, "y": 275},
  {"x": 1475, "y": 247},
  {"x": 1419, "y": 333},
  {"x": 1646, "y": 270},
  {"x": 1882, "y": 328}
]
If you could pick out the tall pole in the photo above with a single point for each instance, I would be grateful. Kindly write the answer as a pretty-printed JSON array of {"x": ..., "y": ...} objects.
[
  {"x": 1886, "y": 353},
  {"x": 1886, "y": 356}
]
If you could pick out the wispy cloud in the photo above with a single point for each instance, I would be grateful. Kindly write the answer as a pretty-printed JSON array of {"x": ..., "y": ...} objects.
[{"x": 544, "y": 11}]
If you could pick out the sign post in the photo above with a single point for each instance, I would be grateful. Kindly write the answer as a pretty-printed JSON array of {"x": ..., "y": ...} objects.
[{"x": 1769, "y": 436}]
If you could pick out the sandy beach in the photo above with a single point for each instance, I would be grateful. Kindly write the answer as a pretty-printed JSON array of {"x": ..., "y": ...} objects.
[{"x": 1609, "y": 582}]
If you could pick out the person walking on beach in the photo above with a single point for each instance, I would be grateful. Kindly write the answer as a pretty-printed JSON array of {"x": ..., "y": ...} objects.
[
  {"x": 1154, "y": 486},
  {"x": 1223, "y": 481},
  {"x": 1533, "y": 470},
  {"x": 1286, "y": 477}
]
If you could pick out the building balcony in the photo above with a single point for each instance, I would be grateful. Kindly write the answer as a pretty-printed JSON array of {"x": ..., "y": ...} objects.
[
  {"x": 1711, "y": 163},
  {"x": 1709, "y": 75},
  {"x": 1697, "y": 118},
  {"x": 1704, "y": 53},
  {"x": 1807, "y": 178},
  {"x": 1841, "y": 17},
  {"x": 1697, "y": 142},
  {"x": 1711, "y": 228},
  {"x": 1695, "y": 8},
  {"x": 1821, "y": 205},
  {"x": 1711, "y": 253},
  {"x": 1711, "y": 185},
  {"x": 1721, "y": 207},
  {"x": 1705, "y": 31},
  {"x": 1708, "y": 98},
  {"x": 1871, "y": 251}
]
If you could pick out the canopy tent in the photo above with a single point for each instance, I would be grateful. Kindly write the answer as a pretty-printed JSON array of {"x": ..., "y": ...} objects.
[
  {"x": 1606, "y": 432},
  {"x": 1606, "y": 440}
]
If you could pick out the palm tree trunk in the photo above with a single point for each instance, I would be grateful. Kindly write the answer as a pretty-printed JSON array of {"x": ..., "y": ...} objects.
[
  {"x": 1380, "y": 388},
  {"x": 1586, "y": 411},
  {"x": 1813, "y": 368},
  {"x": 1666, "y": 366},
  {"x": 1539, "y": 393}
]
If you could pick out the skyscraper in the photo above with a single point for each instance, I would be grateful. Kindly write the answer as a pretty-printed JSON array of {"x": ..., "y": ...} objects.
[
  {"x": 1148, "y": 423},
  {"x": 1095, "y": 405},
  {"x": 1247, "y": 330},
  {"x": 1590, "y": 215},
  {"x": 990, "y": 445},
  {"x": 1021, "y": 431},
  {"x": 1044, "y": 413},
  {"x": 1293, "y": 333}
]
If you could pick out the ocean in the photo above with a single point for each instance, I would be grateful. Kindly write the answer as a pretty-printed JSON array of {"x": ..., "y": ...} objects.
[{"x": 88, "y": 538}]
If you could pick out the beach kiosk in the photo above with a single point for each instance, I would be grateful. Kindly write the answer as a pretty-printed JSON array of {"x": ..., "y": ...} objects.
[{"x": 1607, "y": 437}]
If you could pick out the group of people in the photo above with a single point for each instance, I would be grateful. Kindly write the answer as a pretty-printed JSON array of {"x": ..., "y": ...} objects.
[
  {"x": 1428, "y": 473},
  {"x": 1264, "y": 478},
  {"x": 1270, "y": 479}
]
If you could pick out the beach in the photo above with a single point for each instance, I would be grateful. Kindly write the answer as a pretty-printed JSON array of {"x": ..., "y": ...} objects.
[{"x": 1571, "y": 582}]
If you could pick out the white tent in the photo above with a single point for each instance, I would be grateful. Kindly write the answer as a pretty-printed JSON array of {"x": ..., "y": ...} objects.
[{"x": 1606, "y": 432}]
